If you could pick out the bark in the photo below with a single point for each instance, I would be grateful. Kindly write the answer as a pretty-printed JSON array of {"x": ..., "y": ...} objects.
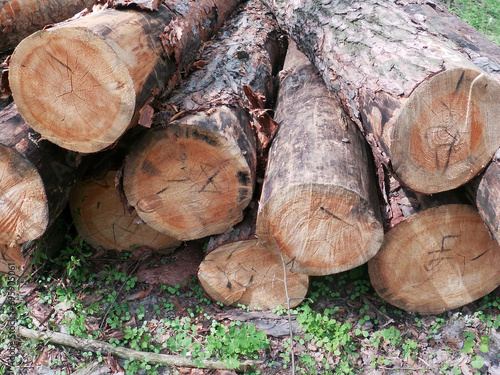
[
  {"x": 102, "y": 220},
  {"x": 20, "y": 18},
  {"x": 437, "y": 256},
  {"x": 245, "y": 272},
  {"x": 428, "y": 112},
  {"x": 319, "y": 199},
  {"x": 83, "y": 83},
  {"x": 202, "y": 184},
  {"x": 37, "y": 178}
]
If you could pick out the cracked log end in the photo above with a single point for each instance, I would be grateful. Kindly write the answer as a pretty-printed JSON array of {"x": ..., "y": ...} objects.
[
  {"x": 247, "y": 273},
  {"x": 23, "y": 203},
  {"x": 437, "y": 260},
  {"x": 447, "y": 131},
  {"x": 189, "y": 181},
  {"x": 102, "y": 221},
  {"x": 72, "y": 87},
  {"x": 320, "y": 229}
]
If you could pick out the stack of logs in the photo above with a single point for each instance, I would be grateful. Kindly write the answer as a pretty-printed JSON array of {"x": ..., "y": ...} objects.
[{"x": 163, "y": 122}]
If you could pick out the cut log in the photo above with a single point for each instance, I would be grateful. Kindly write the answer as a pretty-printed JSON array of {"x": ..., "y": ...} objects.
[
  {"x": 82, "y": 84},
  {"x": 438, "y": 256},
  {"x": 319, "y": 199},
  {"x": 37, "y": 178},
  {"x": 194, "y": 176},
  {"x": 103, "y": 221},
  {"x": 247, "y": 273},
  {"x": 428, "y": 112},
  {"x": 20, "y": 18}
]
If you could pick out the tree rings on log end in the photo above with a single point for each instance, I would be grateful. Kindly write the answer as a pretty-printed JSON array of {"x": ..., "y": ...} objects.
[
  {"x": 247, "y": 273},
  {"x": 320, "y": 229},
  {"x": 103, "y": 221},
  {"x": 71, "y": 86},
  {"x": 24, "y": 210},
  {"x": 447, "y": 131},
  {"x": 188, "y": 181},
  {"x": 437, "y": 260}
]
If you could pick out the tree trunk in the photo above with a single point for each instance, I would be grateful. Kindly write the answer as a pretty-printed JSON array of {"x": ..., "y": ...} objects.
[
  {"x": 319, "y": 199},
  {"x": 245, "y": 272},
  {"x": 20, "y": 18},
  {"x": 102, "y": 220},
  {"x": 428, "y": 112},
  {"x": 194, "y": 176},
  {"x": 37, "y": 178},
  {"x": 438, "y": 255},
  {"x": 83, "y": 83}
]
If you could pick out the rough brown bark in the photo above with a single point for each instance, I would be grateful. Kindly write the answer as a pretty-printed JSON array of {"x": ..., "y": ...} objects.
[
  {"x": 248, "y": 273},
  {"x": 319, "y": 199},
  {"x": 429, "y": 113},
  {"x": 83, "y": 83},
  {"x": 20, "y": 18},
  {"x": 102, "y": 220},
  {"x": 37, "y": 178},
  {"x": 193, "y": 176},
  {"x": 437, "y": 256}
]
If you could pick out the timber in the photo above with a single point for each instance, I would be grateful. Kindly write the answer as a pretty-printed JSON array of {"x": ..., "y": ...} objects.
[
  {"x": 82, "y": 83},
  {"x": 193, "y": 176},
  {"x": 429, "y": 113},
  {"x": 437, "y": 255},
  {"x": 20, "y": 18},
  {"x": 246, "y": 272},
  {"x": 37, "y": 178},
  {"x": 102, "y": 220},
  {"x": 319, "y": 199}
]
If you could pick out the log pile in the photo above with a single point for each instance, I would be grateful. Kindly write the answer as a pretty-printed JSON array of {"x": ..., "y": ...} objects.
[{"x": 368, "y": 146}]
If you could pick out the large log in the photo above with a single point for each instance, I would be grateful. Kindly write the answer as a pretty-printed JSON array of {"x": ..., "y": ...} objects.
[
  {"x": 319, "y": 199},
  {"x": 438, "y": 254},
  {"x": 37, "y": 178},
  {"x": 193, "y": 176},
  {"x": 102, "y": 220},
  {"x": 429, "y": 113},
  {"x": 20, "y": 18},
  {"x": 83, "y": 83}
]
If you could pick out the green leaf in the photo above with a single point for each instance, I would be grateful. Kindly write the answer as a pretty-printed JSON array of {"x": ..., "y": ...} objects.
[{"x": 477, "y": 362}]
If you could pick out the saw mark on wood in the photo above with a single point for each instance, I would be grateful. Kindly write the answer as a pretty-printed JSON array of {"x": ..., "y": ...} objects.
[
  {"x": 459, "y": 83},
  {"x": 432, "y": 263},
  {"x": 480, "y": 255}
]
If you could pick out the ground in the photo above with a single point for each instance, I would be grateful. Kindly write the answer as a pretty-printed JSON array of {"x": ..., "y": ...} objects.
[{"x": 136, "y": 300}]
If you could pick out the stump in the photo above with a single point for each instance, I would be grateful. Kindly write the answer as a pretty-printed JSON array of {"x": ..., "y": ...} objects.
[
  {"x": 319, "y": 199},
  {"x": 103, "y": 221}
]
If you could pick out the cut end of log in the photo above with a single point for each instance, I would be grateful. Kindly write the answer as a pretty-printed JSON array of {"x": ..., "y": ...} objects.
[
  {"x": 11, "y": 260},
  {"x": 102, "y": 221},
  {"x": 247, "y": 273},
  {"x": 447, "y": 131},
  {"x": 24, "y": 210},
  {"x": 322, "y": 230},
  {"x": 437, "y": 260},
  {"x": 71, "y": 87},
  {"x": 188, "y": 181}
]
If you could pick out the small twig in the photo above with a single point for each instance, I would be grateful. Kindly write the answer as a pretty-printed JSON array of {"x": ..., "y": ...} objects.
[
  {"x": 130, "y": 354},
  {"x": 292, "y": 354}
]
